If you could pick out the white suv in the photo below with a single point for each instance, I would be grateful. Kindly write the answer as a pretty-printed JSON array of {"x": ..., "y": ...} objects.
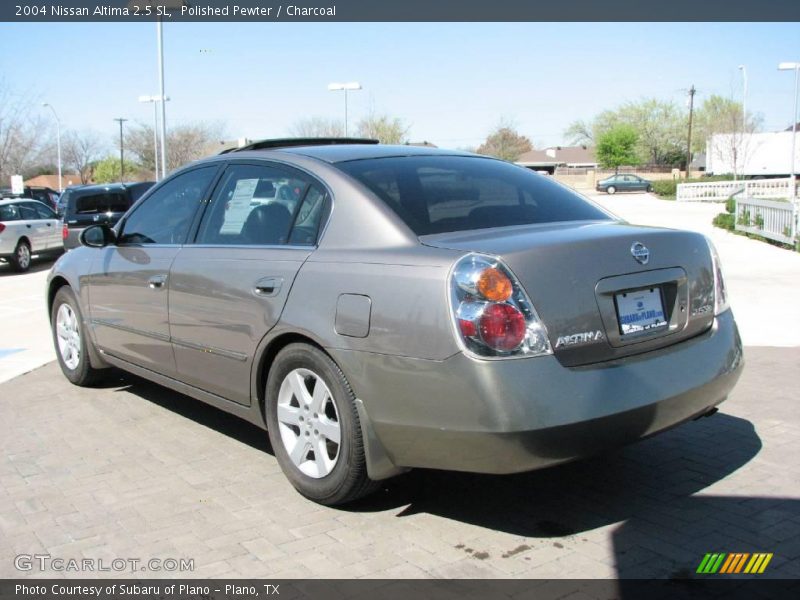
[{"x": 28, "y": 227}]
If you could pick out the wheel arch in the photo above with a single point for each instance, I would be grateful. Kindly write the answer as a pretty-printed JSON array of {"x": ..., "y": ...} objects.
[
  {"x": 379, "y": 465},
  {"x": 265, "y": 357},
  {"x": 55, "y": 284}
]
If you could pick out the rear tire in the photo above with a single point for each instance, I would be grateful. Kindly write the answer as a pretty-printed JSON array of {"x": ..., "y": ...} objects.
[
  {"x": 21, "y": 261},
  {"x": 649, "y": 189},
  {"x": 314, "y": 427},
  {"x": 611, "y": 190},
  {"x": 70, "y": 341}
]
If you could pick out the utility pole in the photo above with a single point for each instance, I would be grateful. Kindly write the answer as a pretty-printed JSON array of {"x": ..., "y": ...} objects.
[
  {"x": 121, "y": 150},
  {"x": 692, "y": 92}
]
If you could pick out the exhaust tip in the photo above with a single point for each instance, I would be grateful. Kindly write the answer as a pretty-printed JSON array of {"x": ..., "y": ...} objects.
[{"x": 710, "y": 412}]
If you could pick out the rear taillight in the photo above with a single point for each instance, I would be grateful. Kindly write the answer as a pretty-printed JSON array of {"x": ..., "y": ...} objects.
[
  {"x": 721, "y": 300},
  {"x": 493, "y": 316},
  {"x": 64, "y": 232},
  {"x": 2, "y": 227}
]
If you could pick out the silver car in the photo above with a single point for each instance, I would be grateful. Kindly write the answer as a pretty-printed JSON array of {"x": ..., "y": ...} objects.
[
  {"x": 28, "y": 227},
  {"x": 397, "y": 307}
]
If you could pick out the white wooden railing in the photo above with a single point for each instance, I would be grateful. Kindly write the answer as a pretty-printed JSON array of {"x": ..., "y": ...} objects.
[
  {"x": 768, "y": 218},
  {"x": 719, "y": 191}
]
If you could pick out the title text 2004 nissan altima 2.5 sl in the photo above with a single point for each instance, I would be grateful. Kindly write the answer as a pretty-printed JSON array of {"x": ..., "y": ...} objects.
[{"x": 378, "y": 308}]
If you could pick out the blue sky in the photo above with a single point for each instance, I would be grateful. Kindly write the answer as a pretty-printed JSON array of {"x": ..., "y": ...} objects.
[{"x": 452, "y": 82}]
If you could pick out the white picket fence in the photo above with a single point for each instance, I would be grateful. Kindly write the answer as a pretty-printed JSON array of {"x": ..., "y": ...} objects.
[
  {"x": 719, "y": 191},
  {"x": 768, "y": 218}
]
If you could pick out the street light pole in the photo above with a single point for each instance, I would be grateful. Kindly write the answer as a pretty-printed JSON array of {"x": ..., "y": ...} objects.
[
  {"x": 154, "y": 100},
  {"x": 162, "y": 94},
  {"x": 692, "y": 92},
  {"x": 336, "y": 87},
  {"x": 795, "y": 66},
  {"x": 743, "y": 69},
  {"x": 121, "y": 150},
  {"x": 58, "y": 144}
]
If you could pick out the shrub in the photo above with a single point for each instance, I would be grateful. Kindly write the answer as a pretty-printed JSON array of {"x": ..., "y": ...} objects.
[
  {"x": 730, "y": 205},
  {"x": 725, "y": 221},
  {"x": 666, "y": 188}
]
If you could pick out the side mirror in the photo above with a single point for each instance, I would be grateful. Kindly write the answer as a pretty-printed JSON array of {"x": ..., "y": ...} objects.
[{"x": 98, "y": 236}]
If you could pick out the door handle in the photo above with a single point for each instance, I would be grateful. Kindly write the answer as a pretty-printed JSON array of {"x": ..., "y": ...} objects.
[
  {"x": 49, "y": 224},
  {"x": 28, "y": 225},
  {"x": 156, "y": 282},
  {"x": 268, "y": 286}
]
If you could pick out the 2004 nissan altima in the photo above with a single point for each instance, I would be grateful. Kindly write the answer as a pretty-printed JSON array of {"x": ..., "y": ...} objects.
[{"x": 378, "y": 308}]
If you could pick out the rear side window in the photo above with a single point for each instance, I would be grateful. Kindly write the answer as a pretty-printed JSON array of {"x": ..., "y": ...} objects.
[
  {"x": 439, "y": 194},
  {"x": 9, "y": 212},
  {"x": 260, "y": 205},
  {"x": 43, "y": 211},
  {"x": 101, "y": 203},
  {"x": 27, "y": 212}
]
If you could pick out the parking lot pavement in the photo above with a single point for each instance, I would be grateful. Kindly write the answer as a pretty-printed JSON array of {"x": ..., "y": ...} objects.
[
  {"x": 763, "y": 280},
  {"x": 25, "y": 341},
  {"x": 131, "y": 470}
]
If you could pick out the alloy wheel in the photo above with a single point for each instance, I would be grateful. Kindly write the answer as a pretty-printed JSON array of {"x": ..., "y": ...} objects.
[
  {"x": 69, "y": 336},
  {"x": 309, "y": 423},
  {"x": 23, "y": 256}
]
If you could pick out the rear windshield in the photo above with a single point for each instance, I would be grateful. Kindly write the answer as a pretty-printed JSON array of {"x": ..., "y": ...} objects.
[
  {"x": 439, "y": 194},
  {"x": 101, "y": 203}
]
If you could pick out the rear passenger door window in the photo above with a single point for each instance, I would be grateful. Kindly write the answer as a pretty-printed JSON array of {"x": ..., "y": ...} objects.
[{"x": 263, "y": 205}]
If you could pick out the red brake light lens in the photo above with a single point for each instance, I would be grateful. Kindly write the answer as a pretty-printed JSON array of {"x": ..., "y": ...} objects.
[
  {"x": 2, "y": 227},
  {"x": 492, "y": 314},
  {"x": 502, "y": 327},
  {"x": 64, "y": 233}
]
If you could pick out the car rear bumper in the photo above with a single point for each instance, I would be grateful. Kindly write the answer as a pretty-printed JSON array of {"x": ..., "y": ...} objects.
[{"x": 521, "y": 414}]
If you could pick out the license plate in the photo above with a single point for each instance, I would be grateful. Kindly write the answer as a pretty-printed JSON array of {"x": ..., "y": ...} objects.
[{"x": 640, "y": 310}]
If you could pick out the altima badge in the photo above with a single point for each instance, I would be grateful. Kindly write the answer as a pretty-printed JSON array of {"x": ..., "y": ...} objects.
[
  {"x": 579, "y": 338},
  {"x": 640, "y": 253}
]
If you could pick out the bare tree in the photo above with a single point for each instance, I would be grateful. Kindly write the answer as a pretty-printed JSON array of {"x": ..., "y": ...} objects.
[
  {"x": 505, "y": 142},
  {"x": 23, "y": 134},
  {"x": 185, "y": 143},
  {"x": 721, "y": 121},
  {"x": 579, "y": 132},
  {"x": 80, "y": 150},
  {"x": 382, "y": 127},
  {"x": 313, "y": 127}
]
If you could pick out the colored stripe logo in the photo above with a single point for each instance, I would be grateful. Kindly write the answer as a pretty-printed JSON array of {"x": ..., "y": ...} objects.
[{"x": 735, "y": 562}]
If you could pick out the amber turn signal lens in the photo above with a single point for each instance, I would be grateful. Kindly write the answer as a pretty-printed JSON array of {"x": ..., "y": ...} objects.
[{"x": 495, "y": 285}]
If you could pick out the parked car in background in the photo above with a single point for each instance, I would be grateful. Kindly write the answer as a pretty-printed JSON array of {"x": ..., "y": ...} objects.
[
  {"x": 399, "y": 307},
  {"x": 624, "y": 183},
  {"x": 43, "y": 194},
  {"x": 86, "y": 205},
  {"x": 27, "y": 227}
]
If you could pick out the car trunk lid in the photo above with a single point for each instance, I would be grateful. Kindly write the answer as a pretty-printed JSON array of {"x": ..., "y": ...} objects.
[{"x": 596, "y": 299}]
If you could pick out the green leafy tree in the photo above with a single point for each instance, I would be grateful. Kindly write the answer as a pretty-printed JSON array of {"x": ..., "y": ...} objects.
[
  {"x": 617, "y": 147},
  {"x": 505, "y": 143},
  {"x": 660, "y": 128},
  {"x": 107, "y": 170}
]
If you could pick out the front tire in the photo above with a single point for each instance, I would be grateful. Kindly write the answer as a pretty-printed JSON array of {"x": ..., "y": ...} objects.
[
  {"x": 21, "y": 261},
  {"x": 611, "y": 190},
  {"x": 70, "y": 341},
  {"x": 314, "y": 427}
]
